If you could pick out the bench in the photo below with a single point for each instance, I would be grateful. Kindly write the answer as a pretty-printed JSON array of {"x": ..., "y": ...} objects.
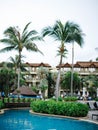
[{"x": 94, "y": 115}]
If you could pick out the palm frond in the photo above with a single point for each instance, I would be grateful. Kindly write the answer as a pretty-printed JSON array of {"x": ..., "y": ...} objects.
[
  {"x": 62, "y": 51},
  {"x": 8, "y": 41},
  {"x": 26, "y": 27},
  {"x": 47, "y": 31},
  {"x": 11, "y": 33},
  {"x": 32, "y": 47},
  {"x": 36, "y": 38},
  {"x": 28, "y": 35},
  {"x": 9, "y": 48}
]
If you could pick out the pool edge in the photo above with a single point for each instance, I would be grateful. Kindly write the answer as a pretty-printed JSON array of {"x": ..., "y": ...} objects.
[{"x": 75, "y": 118}]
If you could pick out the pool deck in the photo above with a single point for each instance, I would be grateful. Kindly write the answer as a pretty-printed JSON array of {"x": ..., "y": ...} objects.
[{"x": 95, "y": 118}]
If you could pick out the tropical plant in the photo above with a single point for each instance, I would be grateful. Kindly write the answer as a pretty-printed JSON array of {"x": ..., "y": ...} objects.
[
  {"x": 35, "y": 89},
  {"x": 68, "y": 32},
  {"x": 42, "y": 72},
  {"x": 75, "y": 35},
  {"x": 65, "y": 83},
  {"x": 91, "y": 84},
  {"x": 51, "y": 85},
  {"x": 43, "y": 86},
  {"x": 96, "y": 58},
  {"x": 58, "y": 32},
  {"x": 14, "y": 62},
  {"x": 15, "y": 40},
  {"x": 1, "y": 104},
  {"x": 7, "y": 80}
]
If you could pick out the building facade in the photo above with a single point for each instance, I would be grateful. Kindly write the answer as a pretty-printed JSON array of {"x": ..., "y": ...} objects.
[{"x": 84, "y": 68}]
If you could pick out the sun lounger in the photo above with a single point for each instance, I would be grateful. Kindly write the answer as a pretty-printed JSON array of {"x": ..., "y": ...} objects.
[
  {"x": 96, "y": 105},
  {"x": 96, "y": 115},
  {"x": 91, "y": 105}
]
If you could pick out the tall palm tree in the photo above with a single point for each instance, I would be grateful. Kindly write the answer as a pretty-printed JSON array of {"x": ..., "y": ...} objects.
[
  {"x": 60, "y": 33},
  {"x": 15, "y": 40},
  {"x": 64, "y": 34},
  {"x": 75, "y": 35}
]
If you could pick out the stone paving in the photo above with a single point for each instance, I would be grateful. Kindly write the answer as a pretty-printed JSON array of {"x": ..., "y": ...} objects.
[{"x": 95, "y": 118}]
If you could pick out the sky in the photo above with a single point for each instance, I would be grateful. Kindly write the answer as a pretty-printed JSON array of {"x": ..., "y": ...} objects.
[{"x": 43, "y": 13}]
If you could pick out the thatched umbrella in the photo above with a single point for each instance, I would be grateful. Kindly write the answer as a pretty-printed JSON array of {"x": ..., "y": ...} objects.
[{"x": 25, "y": 91}]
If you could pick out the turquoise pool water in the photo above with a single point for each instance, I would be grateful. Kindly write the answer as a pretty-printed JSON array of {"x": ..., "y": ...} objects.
[{"x": 23, "y": 120}]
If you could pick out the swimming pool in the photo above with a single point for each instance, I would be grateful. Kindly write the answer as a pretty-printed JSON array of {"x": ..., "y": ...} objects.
[{"x": 23, "y": 120}]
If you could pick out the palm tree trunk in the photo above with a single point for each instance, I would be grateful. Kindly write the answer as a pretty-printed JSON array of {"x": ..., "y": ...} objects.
[
  {"x": 18, "y": 77},
  {"x": 19, "y": 65},
  {"x": 72, "y": 69},
  {"x": 57, "y": 92},
  {"x": 57, "y": 85}
]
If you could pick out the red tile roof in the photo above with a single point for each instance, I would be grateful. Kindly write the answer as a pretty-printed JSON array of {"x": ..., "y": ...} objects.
[
  {"x": 80, "y": 64},
  {"x": 84, "y": 64},
  {"x": 66, "y": 65},
  {"x": 38, "y": 64}
]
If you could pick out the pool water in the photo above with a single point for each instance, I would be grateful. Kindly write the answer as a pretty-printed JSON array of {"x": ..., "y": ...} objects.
[{"x": 23, "y": 120}]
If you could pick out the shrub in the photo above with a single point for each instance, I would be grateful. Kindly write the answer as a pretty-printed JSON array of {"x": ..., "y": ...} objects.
[
  {"x": 60, "y": 99},
  {"x": 96, "y": 99},
  {"x": 39, "y": 106},
  {"x": 5, "y": 100},
  {"x": 1, "y": 104},
  {"x": 70, "y": 98},
  {"x": 10, "y": 100},
  {"x": 73, "y": 109}
]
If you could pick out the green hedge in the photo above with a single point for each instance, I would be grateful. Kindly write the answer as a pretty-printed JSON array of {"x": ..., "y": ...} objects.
[
  {"x": 96, "y": 99},
  {"x": 1, "y": 104},
  {"x": 19, "y": 100},
  {"x": 70, "y": 99},
  {"x": 73, "y": 109}
]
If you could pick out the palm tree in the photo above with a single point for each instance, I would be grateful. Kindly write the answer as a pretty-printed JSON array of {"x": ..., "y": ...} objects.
[
  {"x": 14, "y": 65},
  {"x": 60, "y": 33},
  {"x": 62, "y": 52},
  {"x": 43, "y": 85},
  {"x": 14, "y": 62},
  {"x": 63, "y": 33},
  {"x": 65, "y": 83},
  {"x": 15, "y": 40},
  {"x": 75, "y": 35}
]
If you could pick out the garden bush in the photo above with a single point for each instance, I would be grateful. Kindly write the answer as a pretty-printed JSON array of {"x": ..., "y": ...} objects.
[
  {"x": 73, "y": 109},
  {"x": 5, "y": 100},
  {"x": 17, "y": 100},
  {"x": 1, "y": 104},
  {"x": 96, "y": 99},
  {"x": 60, "y": 99},
  {"x": 70, "y": 99}
]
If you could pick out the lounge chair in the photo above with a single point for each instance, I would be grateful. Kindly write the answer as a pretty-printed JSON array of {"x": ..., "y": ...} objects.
[
  {"x": 96, "y": 105},
  {"x": 96, "y": 115},
  {"x": 91, "y": 105}
]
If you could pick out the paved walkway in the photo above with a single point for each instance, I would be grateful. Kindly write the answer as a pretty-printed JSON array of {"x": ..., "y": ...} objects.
[
  {"x": 89, "y": 116},
  {"x": 95, "y": 118}
]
